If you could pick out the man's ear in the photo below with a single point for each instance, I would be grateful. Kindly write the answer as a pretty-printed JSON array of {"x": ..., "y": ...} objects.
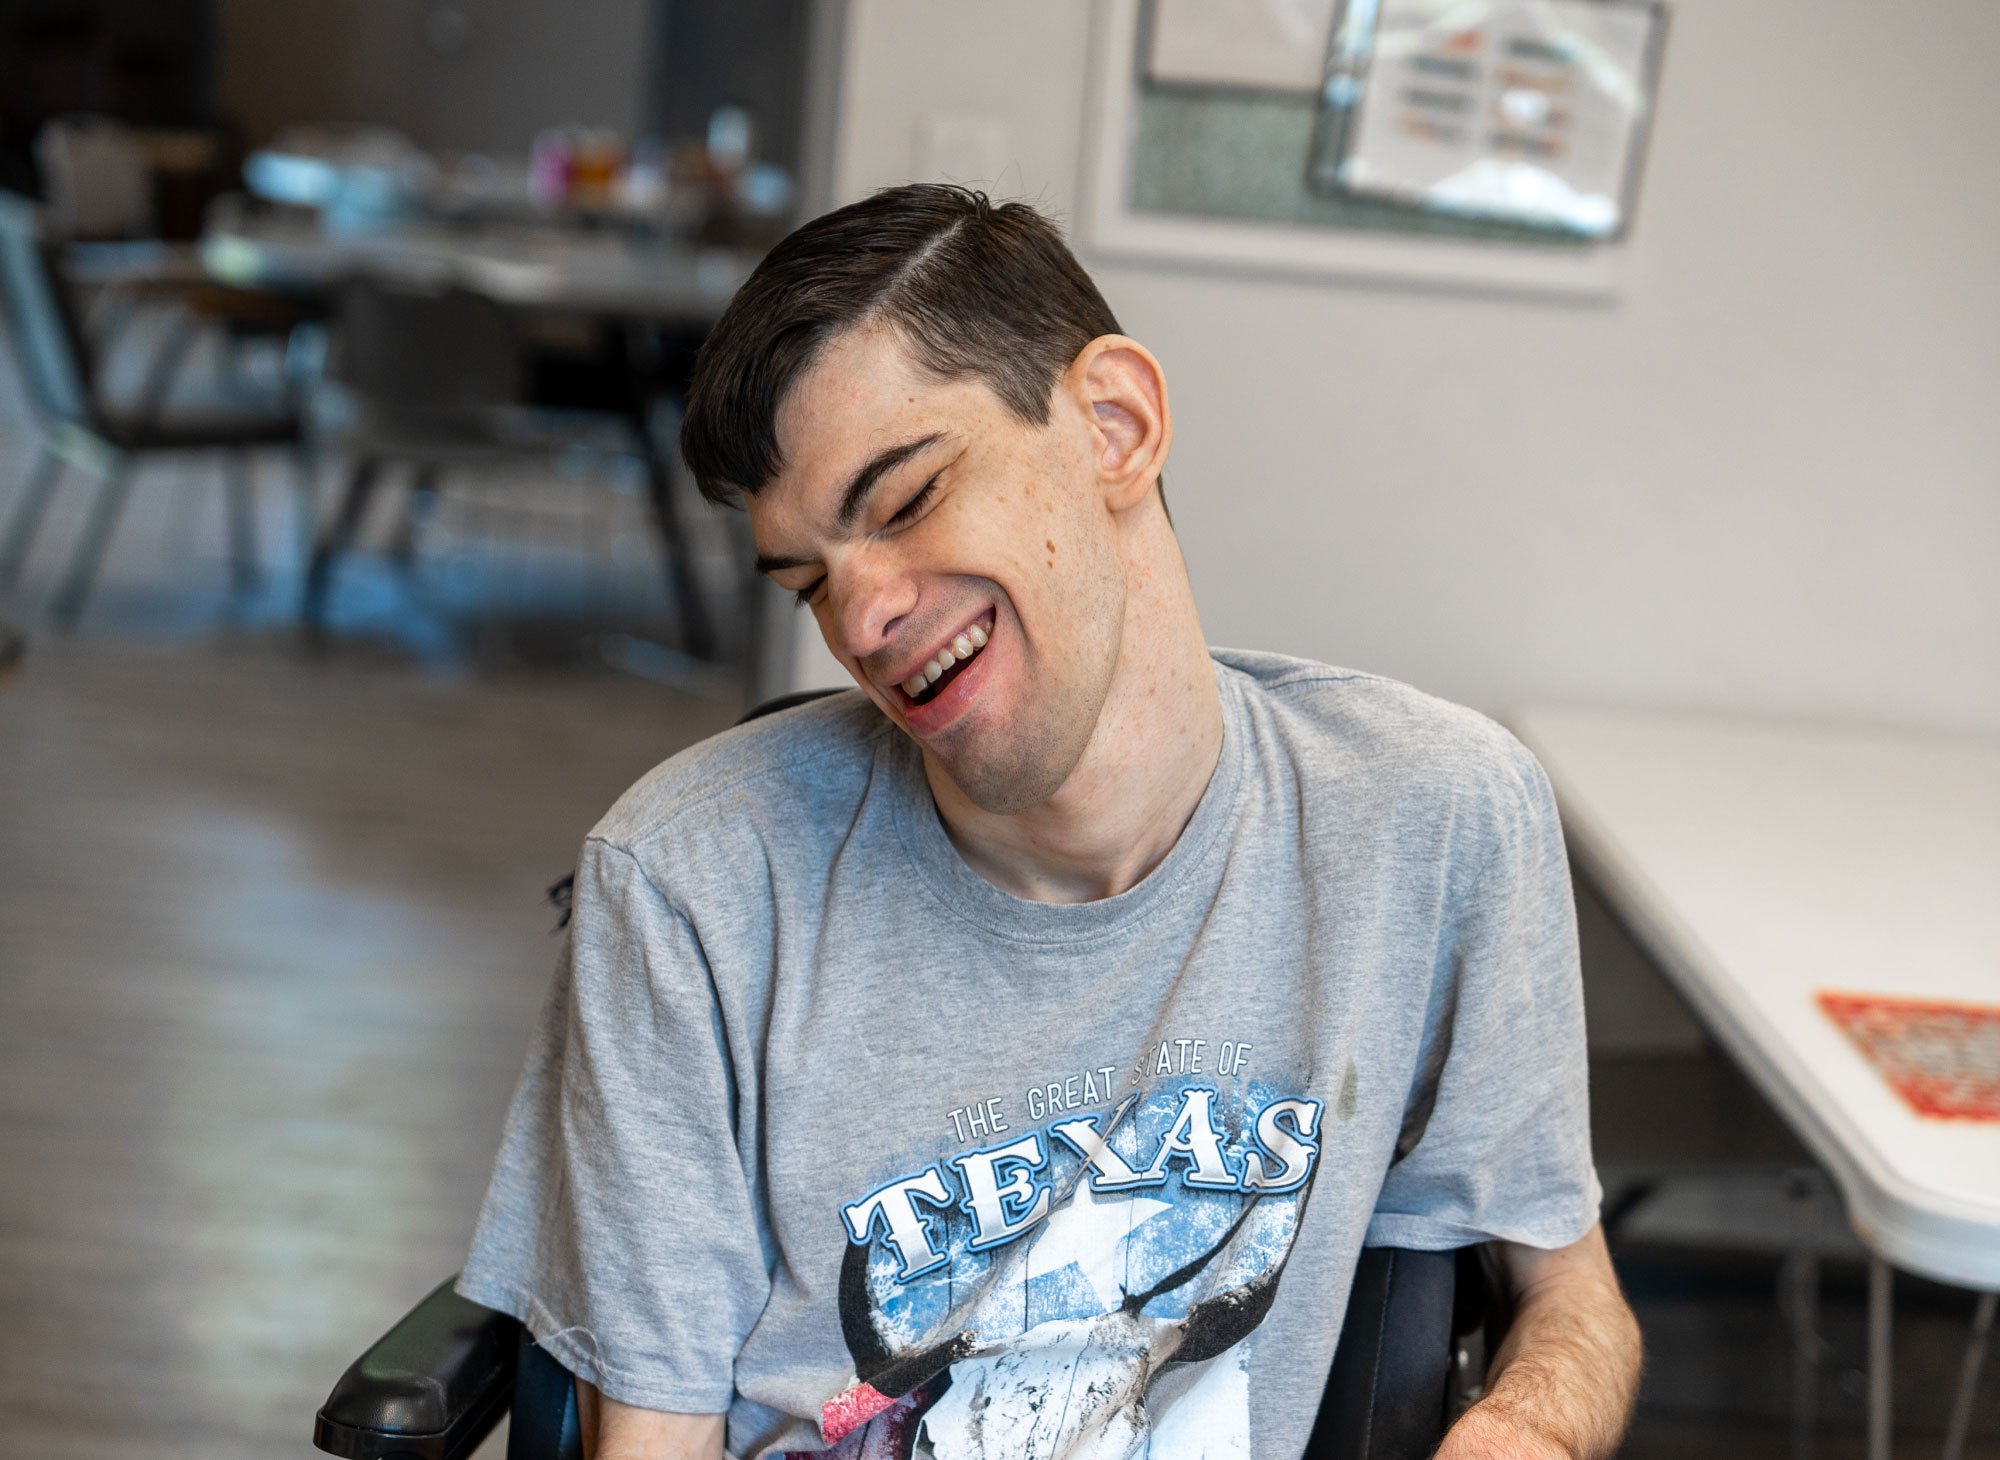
[{"x": 1121, "y": 385}]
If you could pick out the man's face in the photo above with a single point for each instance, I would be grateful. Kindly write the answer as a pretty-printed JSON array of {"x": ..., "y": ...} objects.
[{"x": 918, "y": 517}]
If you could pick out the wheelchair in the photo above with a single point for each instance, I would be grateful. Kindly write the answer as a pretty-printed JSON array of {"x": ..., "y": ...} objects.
[{"x": 1412, "y": 1357}]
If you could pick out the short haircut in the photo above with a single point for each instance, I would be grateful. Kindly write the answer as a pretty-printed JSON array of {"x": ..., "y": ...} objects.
[{"x": 974, "y": 290}]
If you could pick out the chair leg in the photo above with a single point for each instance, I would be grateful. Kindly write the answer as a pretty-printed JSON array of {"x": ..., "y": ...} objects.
[
  {"x": 89, "y": 556},
  {"x": 27, "y": 515},
  {"x": 241, "y": 490},
  {"x": 417, "y": 508},
  {"x": 305, "y": 500},
  {"x": 166, "y": 367},
  {"x": 333, "y": 541},
  {"x": 696, "y": 635}
]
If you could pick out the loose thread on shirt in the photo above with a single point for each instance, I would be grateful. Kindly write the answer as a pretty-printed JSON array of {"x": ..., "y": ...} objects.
[{"x": 596, "y": 1357}]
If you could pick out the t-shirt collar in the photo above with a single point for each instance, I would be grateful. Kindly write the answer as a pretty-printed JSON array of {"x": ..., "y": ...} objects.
[{"x": 966, "y": 894}]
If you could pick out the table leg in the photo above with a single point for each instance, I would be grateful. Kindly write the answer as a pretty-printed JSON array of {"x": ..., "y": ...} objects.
[
  {"x": 1880, "y": 1314},
  {"x": 240, "y": 491},
  {"x": 696, "y": 636},
  {"x": 1968, "y": 1376},
  {"x": 1801, "y": 1302},
  {"x": 333, "y": 541}
]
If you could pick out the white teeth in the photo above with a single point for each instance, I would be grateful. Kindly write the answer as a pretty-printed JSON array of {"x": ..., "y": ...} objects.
[{"x": 961, "y": 648}]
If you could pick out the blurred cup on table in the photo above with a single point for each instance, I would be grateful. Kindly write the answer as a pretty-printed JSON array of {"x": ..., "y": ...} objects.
[{"x": 594, "y": 168}]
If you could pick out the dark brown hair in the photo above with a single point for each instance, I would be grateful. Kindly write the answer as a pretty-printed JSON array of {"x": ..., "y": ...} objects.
[{"x": 975, "y": 291}]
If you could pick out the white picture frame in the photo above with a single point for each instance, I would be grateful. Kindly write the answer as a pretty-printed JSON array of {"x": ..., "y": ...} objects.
[
  {"x": 1276, "y": 45},
  {"x": 1573, "y": 79},
  {"x": 1110, "y": 226}
]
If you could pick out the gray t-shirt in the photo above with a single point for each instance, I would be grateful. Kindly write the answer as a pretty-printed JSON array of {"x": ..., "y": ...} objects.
[{"x": 821, "y": 1128}]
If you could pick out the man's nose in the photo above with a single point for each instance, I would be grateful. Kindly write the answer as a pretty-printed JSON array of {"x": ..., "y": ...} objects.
[{"x": 871, "y": 597}]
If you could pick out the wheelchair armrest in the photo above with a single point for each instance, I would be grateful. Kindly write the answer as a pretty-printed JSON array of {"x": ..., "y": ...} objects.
[
  {"x": 1386, "y": 1398},
  {"x": 428, "y": 1389}
]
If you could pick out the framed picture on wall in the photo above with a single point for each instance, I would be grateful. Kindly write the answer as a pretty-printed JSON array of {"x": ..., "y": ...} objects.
[
  {"x": 1216, "y": 155},
  {"x": 1534, "y": 111}
]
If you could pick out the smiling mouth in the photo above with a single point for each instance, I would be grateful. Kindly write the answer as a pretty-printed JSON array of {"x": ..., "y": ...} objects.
[{"x": 929, "y": 681}]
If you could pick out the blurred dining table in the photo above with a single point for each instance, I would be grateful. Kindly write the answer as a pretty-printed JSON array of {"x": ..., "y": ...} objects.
[
  {"x": 610, "y": 273},
  {"x": 641, "y": 292},
  {"x": 646, "y": 297}
]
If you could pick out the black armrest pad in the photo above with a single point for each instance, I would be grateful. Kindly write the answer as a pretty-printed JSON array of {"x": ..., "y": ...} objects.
[
  {"x": 429, "y": 1389},
  {"x": 1385, "y": 1399}
]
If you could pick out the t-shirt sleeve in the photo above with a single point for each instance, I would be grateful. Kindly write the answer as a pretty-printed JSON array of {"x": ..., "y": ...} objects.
[
  {"x": 1496, "y": 1140},
  {"x": 620, "y": 1226}
]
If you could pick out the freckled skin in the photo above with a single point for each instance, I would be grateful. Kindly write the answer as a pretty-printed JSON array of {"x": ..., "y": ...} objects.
[
  {"x": 903, "y": 591},
  {"x": 1051, "y": 782}
]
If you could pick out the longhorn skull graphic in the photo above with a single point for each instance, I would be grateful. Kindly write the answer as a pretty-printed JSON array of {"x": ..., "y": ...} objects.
[{"x": 1109, "y": 1329}]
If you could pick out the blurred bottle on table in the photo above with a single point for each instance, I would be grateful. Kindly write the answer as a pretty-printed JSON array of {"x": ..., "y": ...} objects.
[
  {"x": 594, "y": 168},
  {"x": 643, "y": 189}
]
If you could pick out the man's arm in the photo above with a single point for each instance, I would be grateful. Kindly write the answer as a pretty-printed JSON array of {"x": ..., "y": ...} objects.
[
  {"x": 614, "y": 1431},
  {"x": 1562, "y": 1385}
]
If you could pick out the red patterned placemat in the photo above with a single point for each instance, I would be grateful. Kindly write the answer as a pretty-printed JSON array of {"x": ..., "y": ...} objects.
[{"x": 1942, "y": 1058}]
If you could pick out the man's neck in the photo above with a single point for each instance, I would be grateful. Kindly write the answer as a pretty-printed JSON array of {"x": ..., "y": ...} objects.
[{"x": 1122, "y": 809}]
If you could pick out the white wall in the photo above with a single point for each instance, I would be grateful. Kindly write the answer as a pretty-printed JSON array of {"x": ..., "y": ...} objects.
[{"x": 1765, "y": 477}]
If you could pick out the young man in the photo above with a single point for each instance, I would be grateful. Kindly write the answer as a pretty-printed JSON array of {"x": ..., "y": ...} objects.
[{"x": 1013, "y": 1058}]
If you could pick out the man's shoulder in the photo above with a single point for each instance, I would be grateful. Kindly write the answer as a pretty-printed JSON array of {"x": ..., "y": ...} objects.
[
  {"x": 799, "y": 764},
  {"x": 1348, "y": 727}
]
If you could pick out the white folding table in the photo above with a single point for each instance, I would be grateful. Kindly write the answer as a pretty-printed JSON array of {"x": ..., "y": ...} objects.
[{"x": 1761, "y": 862}]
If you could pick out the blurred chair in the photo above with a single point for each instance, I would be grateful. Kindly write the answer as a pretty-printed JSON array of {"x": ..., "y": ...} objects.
[
  {"x": 80, "y": 428},
  {"x": 437, "y": 380},
  {"x": 99, "y": 185},
  {"x": 95, "y": 179}
]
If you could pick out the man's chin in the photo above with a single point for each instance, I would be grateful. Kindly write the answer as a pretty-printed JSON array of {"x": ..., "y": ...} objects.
[{"x": 999, "y": 789}]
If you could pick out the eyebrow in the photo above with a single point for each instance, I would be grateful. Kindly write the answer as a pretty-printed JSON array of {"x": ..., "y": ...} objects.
[{"x": 855, "y": 494}]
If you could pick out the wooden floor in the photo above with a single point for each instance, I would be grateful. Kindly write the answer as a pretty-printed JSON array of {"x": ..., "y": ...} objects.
[
  {"x": 272, "y": 928},
  {"x": 271, "y": 934}
]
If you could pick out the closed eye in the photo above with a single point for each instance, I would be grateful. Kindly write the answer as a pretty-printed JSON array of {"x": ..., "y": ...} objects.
[{"x": 911, "y": 510}]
